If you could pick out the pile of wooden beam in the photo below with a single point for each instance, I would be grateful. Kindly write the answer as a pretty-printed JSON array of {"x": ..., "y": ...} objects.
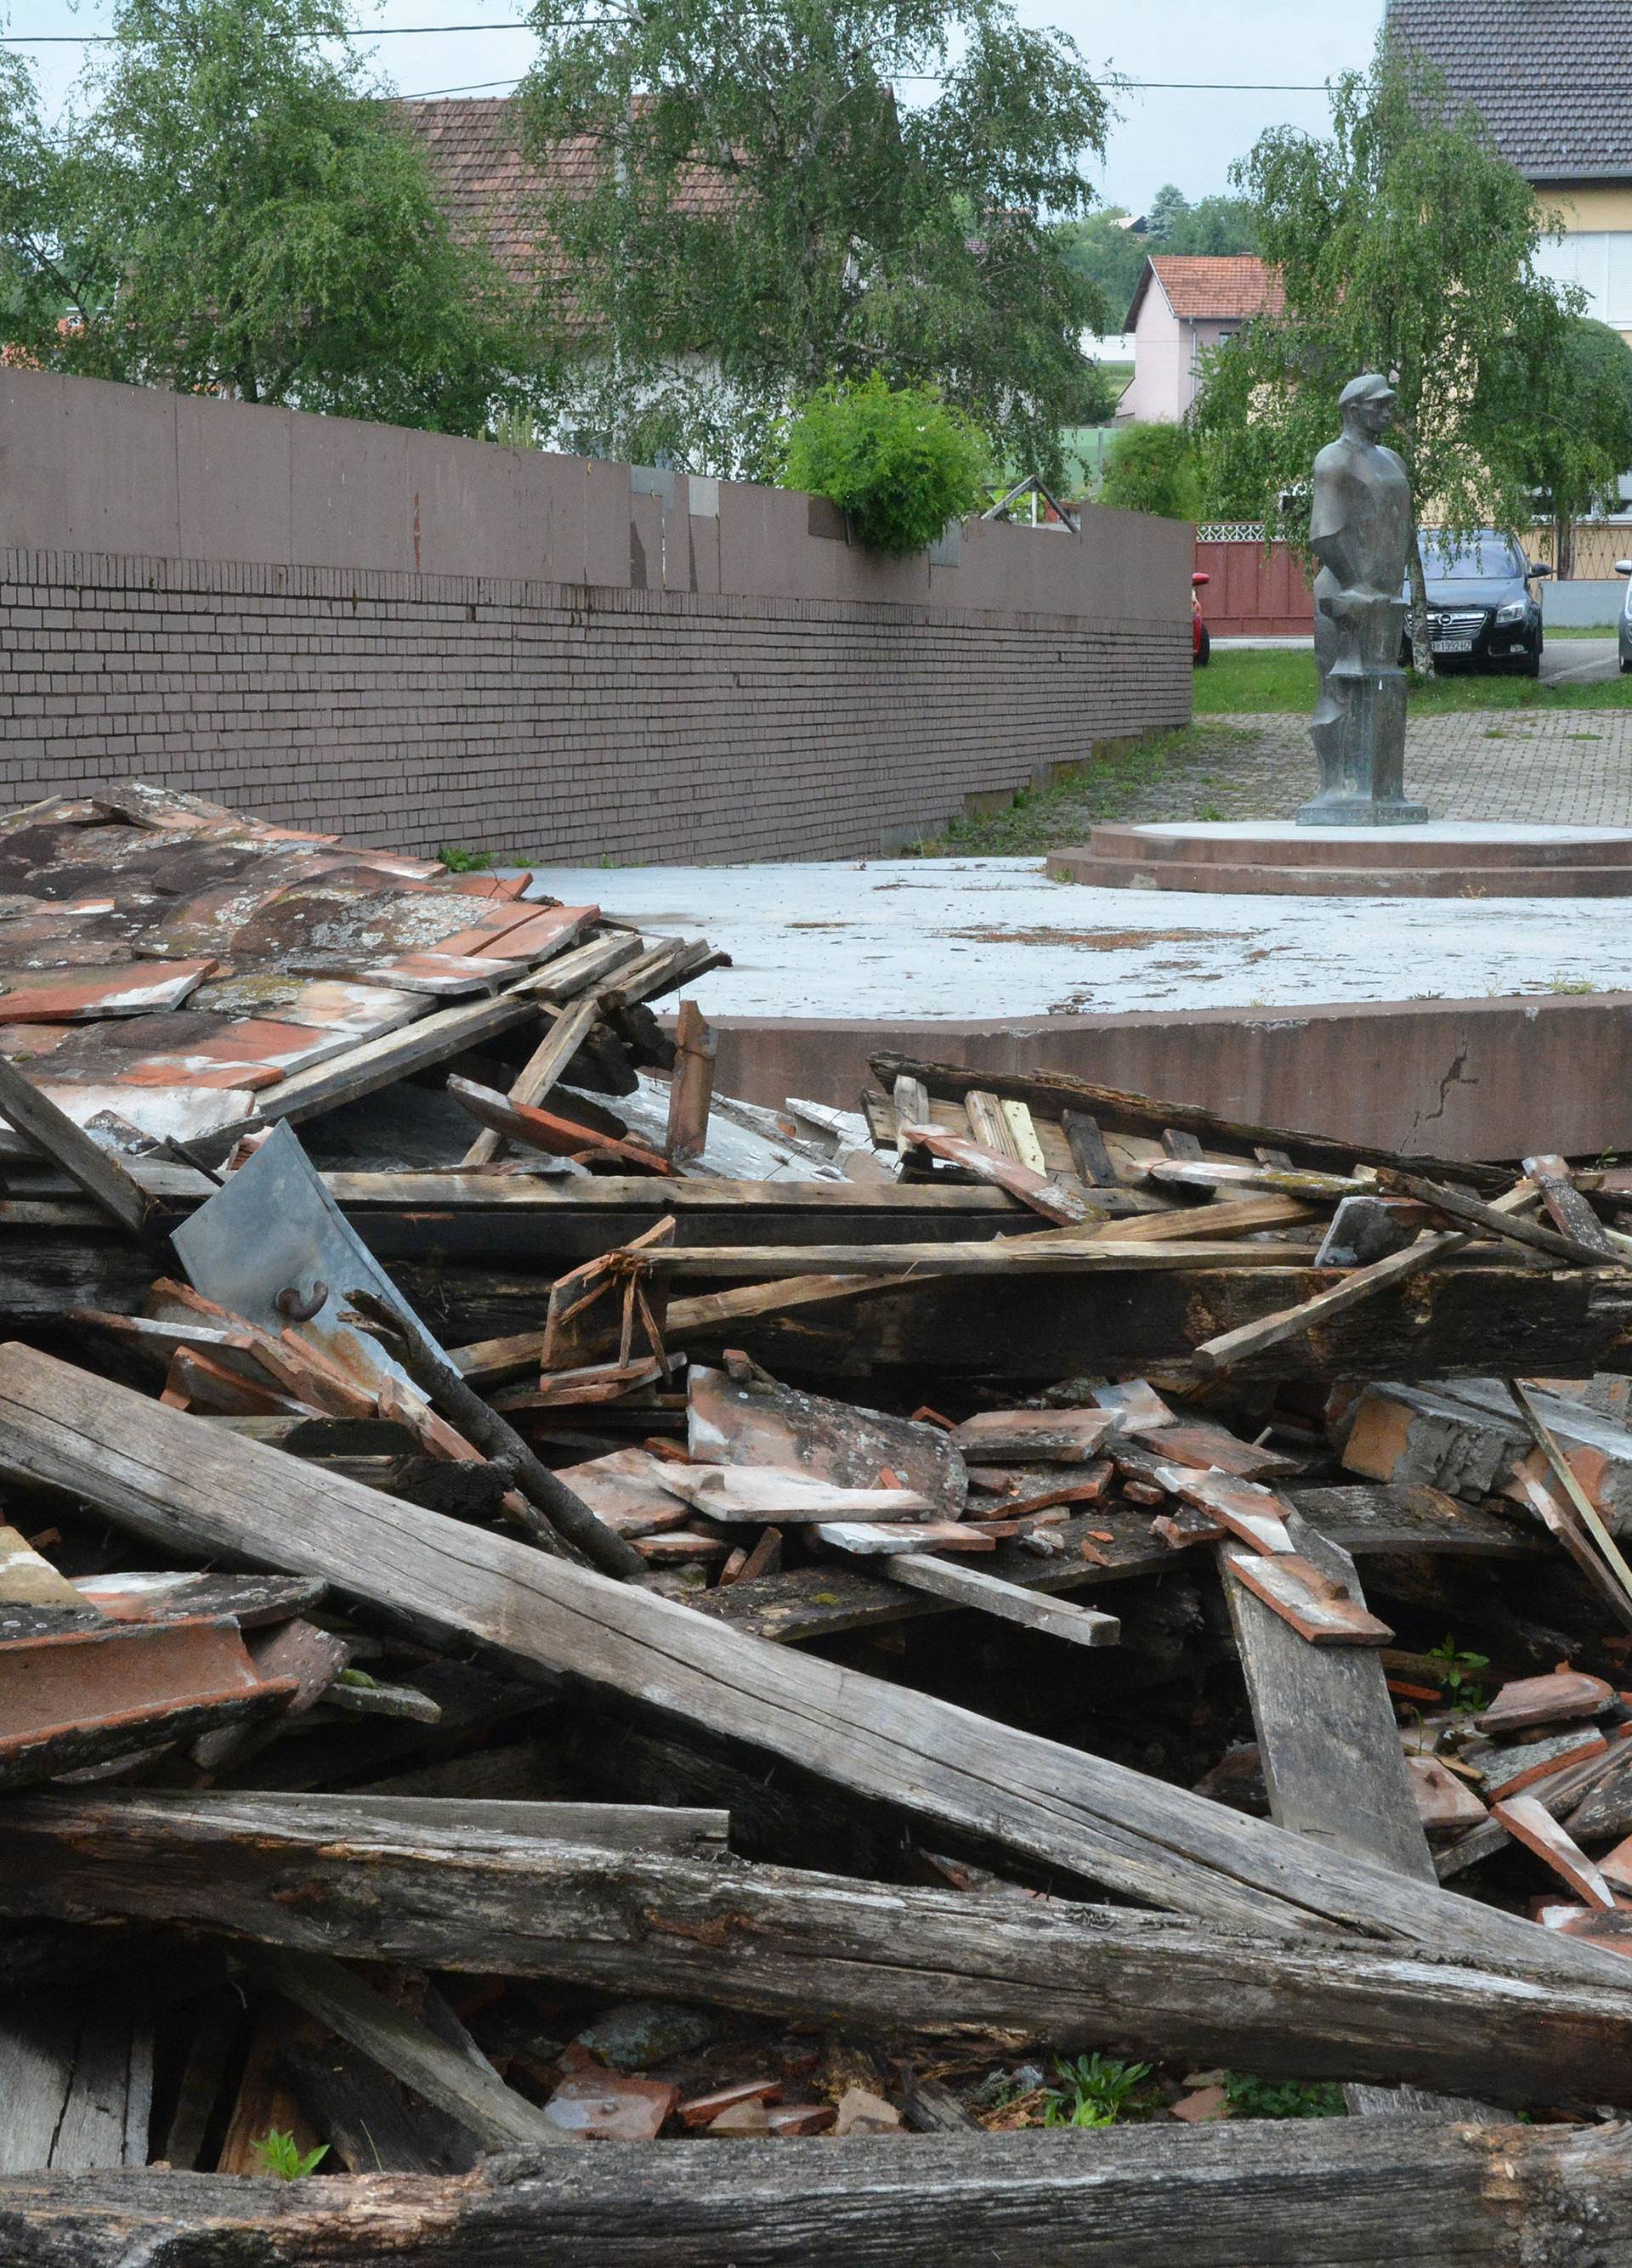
[{"x": 982, "y": 1653}]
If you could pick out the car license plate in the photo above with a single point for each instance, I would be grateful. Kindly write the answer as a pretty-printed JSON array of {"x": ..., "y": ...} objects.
[{"x": 1453, "y": 645}]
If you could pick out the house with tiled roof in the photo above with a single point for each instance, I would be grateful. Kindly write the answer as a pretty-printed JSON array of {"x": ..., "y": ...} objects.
[
  {"x": 1183, "y": 305},
  {"x": 1550, "y": 79},
  {"x": 494, "y": 194}
]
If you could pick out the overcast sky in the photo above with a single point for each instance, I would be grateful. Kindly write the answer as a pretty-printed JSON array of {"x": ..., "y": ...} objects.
[{"x": 1164, "y": 133}]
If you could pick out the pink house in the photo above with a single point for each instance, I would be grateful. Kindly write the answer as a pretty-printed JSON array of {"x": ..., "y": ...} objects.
[{"x": 1183, "y": 305}]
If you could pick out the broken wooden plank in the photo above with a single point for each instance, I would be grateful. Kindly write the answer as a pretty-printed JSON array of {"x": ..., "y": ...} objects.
[
  {"x": 568, "y": 1030},
  {"x": 691, "y": 1085},
  {"x": 1073, "y": 1254},
  {"x": 1496, "y": 1219},
  {"x": 102, "y": 1177},
  {"x": 1566, "y": 1208},
  {"x": 548, "y": 1130},
  {"x": 410, "y": 2051},
  {"x": 1326, "y": 1728},
  {"x": 1120, "y": 1111},
  {"x": 1333, "y": 1762},
  {"x": 972, "y": 1587},
  {"x": 1088, "y": 1154},
  {"x": 1043, "y": 1194},
  {"x": 381, "y": 1062},
  {"x": 1283, "y": 2193},
  {"x": 518, "y": 1900},
  {"x": 78, "y": 2085},
  {"x": 178, "y": 1481}
]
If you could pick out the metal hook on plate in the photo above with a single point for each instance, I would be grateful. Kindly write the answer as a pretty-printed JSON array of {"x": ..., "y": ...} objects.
[{"x": 296, "y": 1306}]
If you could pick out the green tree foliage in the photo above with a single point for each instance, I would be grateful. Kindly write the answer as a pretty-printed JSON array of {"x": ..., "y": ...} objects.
[
  {"x": 896, "y": 459},
  {"x": 763, "y": 216},
  {"x": 1579, "y": 440},
  {"x": 1406, "y": 246},
  {"x": 1168, "y": 208},
  {"x": 1217, "y": 225},
  {"x": 1107, "y": 255},
  {"x": 1153, "y": 468},
  {"x": 228, "y": 209}
]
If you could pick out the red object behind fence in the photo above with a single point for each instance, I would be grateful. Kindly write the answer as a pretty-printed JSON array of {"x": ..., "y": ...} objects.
[{"x": 1255, "y": 591}]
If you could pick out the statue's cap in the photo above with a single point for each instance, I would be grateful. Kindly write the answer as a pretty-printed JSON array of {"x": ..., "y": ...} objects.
[{"x": 1373, "y": 386}]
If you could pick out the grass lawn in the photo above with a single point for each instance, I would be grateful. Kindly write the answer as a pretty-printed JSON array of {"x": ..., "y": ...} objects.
[
  {"x": 1271, "y": 680},
  {"x": 1184, "y": 774}
]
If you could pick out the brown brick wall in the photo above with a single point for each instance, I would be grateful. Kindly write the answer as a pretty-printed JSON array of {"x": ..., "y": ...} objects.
[{"x": 556, "y": 721}]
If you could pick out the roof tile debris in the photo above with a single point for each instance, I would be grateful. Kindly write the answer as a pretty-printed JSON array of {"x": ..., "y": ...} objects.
[{"x": 448, "y": 1775}]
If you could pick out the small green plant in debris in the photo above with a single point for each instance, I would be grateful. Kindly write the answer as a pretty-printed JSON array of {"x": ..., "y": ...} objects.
[
  {"x": 1456, "y": 1673},
  {"x": 1247, "y": 2097},
  {"x": 459, "y": 858},
  {"x": 1095, "y": 2090},
  {"x": 1559, "y": 983},
  {"x": 282, "y": 2154}
]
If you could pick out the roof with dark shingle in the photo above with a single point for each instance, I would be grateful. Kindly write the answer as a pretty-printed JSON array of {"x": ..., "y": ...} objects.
[
  {"x": 1549, "y": 77},
  {"x": 1212, "y": 287}
]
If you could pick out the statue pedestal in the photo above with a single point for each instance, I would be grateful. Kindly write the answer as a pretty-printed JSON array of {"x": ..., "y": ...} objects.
[{"x": 1359, "y": 733}]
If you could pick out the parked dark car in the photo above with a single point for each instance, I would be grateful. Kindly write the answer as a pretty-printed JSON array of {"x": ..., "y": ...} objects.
[{"x": 1483, "y": 606}]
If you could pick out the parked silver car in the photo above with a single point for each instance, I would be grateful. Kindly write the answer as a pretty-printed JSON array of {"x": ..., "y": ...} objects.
[{"x": 1623, "y": 623}]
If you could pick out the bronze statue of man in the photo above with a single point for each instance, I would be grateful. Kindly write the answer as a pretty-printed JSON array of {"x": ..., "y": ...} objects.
[{"x": 1360, "y": 531}]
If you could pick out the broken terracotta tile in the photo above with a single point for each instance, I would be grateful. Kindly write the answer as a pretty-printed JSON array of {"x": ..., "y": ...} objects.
[
  {"x": 1521, "y": 1764},
  {"x": 71, "y": 996},
  {"x": 1306, "y": 1597},
  {"x": 872, "y": 1540},
  {"x": 1445, "y": 1803},
  {"x": 1616, "y": 1867},
  {"x": 1210, "y": 1448},
  {"x": 1206, "y": 2103},
  {"x": 1529, "y": 1823},
  {"x": 605, "y": 2106},
  {"x": 702, "y": 2109},
  {"x": 863, "y": 2112},
  {"x": 794, "y": 2118},
  {"x": 746, "y": 2119},
  {"x": 1034, "y": 1437},
  {"x": 1561, "y": 1697},
  {"x": 1256, "y": 1514},
  {"x": 761, "y": 1493}
]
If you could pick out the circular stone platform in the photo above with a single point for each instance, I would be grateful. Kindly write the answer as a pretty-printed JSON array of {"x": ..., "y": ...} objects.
[{"x": 1445, "y": 858}]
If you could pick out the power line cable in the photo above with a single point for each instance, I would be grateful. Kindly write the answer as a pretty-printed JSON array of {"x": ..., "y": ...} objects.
[{"x": 425, "y": 31}]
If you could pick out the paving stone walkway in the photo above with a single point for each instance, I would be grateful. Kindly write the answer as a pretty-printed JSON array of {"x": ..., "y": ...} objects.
[{"x": 1563, "y": 768}]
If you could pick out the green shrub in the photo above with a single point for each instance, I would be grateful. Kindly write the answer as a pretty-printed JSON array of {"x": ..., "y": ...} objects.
[
  {"x": 1153, "y": 468},
  {"x": 895, "y": 458},
  {"x": 1284, "y": 2098}
]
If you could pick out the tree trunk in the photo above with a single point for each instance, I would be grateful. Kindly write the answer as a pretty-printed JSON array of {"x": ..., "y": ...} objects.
[
  {"x": 1564, "y": 548},
  {"x": 1421, "y": 643}
]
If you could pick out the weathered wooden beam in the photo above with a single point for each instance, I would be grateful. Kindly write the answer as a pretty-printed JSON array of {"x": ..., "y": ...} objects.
[
  {"x": 406, "y": 1879},
  {"x": 471, "y": 2093},
  {"x": 184, "y": 1485},
  {"x": 1298, "y": 2193},
  {"x": 1119, "y": 1110},
  {"x": 104, "y": 1178}
]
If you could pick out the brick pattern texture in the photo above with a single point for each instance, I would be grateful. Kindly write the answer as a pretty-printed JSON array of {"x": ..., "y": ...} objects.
[{"x": 549, "y": 721}]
